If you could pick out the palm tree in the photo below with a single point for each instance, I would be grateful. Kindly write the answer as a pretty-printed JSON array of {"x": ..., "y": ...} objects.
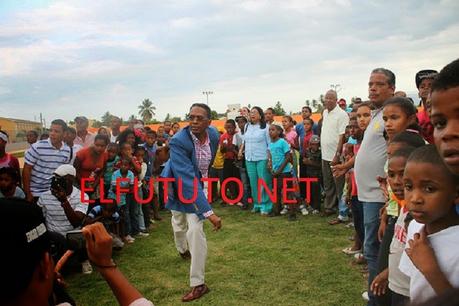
[{"x": 147, "y": 110}]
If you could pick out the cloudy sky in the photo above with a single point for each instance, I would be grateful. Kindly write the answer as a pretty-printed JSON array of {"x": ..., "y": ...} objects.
[{"x": 64, "y": 58}]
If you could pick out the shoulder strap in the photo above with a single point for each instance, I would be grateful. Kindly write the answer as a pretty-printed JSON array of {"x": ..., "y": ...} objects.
[{"x": 71, "y": 154}]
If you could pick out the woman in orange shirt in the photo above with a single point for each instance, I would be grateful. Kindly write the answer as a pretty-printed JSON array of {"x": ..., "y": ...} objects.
[{"x": 90, "y": 163}]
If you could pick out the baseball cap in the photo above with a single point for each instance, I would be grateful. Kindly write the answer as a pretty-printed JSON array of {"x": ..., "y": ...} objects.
[
  {"x": 4, "y": 136},
  {"x": 65, "y": 169},
  {"x": 26, "y": 238},
  {"x": 424, "y": 74},
  {"x": 314, "y": 139}
]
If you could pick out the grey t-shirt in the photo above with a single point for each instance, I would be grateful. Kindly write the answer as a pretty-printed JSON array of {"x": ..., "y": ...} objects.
[{"x": 370, "y": 160}]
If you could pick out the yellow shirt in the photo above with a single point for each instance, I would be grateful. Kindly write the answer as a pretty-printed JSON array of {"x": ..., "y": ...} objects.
[{"x": 219, "y": 159}]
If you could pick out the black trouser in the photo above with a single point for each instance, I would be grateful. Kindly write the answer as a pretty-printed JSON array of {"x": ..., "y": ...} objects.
[
  {"x": 398, "y": 299},
  {"x": 357, "y": 214},
  {"x": 216, "y": 173},
  {"x": 146, "y": 207},
  {"x": 383, "y": 256},
  {"x": 230, "y": 171},
  {"x": 303, "y": 173},
  {"x": 314, "y": 191},
  {"x": 280, "y": 197}
]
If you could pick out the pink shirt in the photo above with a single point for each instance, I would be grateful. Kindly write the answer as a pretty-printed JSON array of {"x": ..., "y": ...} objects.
[
  {"x": 203, "y": 154},
  {"x": 291, "y": 137}
]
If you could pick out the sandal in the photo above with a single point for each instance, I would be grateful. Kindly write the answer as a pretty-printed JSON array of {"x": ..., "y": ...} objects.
[
  {"x": 350, "y": 251},
  {"x": 335, "y": 221}
]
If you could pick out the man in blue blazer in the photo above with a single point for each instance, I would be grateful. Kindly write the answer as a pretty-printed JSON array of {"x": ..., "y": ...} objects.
[{"x": 192, "y": 151}]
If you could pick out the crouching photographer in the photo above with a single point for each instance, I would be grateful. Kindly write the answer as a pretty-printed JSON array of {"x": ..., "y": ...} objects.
[
  {"x": 64, "y": 212},
  {"x": 28, "y": 267}
]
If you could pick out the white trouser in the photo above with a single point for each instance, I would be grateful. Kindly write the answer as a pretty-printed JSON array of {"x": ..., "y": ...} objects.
[{"x": 189, "y": 235}]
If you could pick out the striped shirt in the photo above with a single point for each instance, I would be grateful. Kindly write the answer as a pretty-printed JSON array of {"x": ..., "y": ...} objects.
[
  {"x": 56, "y": 219},
  {"x": 97, "y": 211},
  {"x": 203, "y": 154},
  {"x": 45, "y": 159}
]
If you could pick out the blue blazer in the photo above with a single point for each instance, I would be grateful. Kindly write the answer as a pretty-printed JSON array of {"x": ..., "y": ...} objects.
[{"x": 183, "y": 164}]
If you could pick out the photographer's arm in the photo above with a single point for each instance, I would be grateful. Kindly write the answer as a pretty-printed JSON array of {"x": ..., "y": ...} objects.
[{"x": 99, "y": 247}]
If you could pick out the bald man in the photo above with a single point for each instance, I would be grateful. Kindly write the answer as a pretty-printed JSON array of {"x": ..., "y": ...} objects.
[{"x": 334, "y": 123}]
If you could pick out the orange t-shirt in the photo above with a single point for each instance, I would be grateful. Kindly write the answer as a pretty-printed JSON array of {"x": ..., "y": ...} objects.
[{"x": 89, "y": 162}]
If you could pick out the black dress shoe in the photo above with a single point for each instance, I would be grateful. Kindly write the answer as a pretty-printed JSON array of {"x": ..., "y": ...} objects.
[{"x": 186, "y": 255}]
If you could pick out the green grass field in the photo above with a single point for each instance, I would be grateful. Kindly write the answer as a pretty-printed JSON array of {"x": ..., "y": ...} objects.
[{"x": 253, "y": 260}]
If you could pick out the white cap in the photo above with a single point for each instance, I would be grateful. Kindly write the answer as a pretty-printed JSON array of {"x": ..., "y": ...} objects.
[
  {"x": 3, "y": 136},
  {"x": 64, "y": 170}
]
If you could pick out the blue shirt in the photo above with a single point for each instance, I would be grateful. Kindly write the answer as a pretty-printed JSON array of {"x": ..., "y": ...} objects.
[
  {"x": 278, "y": 149},
  {"x": 18, "y": 193},
  {"x": 352, "y": 140},
  {"x": 256, "y": 142},
  {"x": 122, "y": 184}
]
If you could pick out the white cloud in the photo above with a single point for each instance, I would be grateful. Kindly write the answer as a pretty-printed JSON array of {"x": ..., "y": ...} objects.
[{"x": 93, "y": 56}]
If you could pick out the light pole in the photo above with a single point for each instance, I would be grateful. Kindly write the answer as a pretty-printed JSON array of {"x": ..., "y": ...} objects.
[
  {"x": 207, "y": 93},
  {"x": 336, "y": 87}
]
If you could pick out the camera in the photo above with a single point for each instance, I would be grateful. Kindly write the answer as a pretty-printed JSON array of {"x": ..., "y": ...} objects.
[
  {"x": 58, "y": 183},
  {"x": 75, "y": 240}
]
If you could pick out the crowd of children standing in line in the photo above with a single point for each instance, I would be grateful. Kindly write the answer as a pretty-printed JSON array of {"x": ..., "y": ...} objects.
[{"x": 418, "y": 229}]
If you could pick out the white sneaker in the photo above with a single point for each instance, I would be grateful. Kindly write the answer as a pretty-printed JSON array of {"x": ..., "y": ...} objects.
[
  {"x": 86, "y": 267},
  {"x": 315, "y": 212},
  {"x": 304, "y": 211},
  {"x": 358, "y": 255},
  {"x": 129, "y": 239},
  {"x": 117, "y": 242},
  {"x": 284, "y": 211},
  {"x": 343, "y": 219},
  {"x": 365, "y": 296},
  {"x": 143, "y": 234}
]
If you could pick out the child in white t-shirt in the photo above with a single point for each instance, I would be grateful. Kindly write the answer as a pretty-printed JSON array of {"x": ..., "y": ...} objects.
[
  {"x": 431, "y": 257},
  {"x": 390, "y": 276}
]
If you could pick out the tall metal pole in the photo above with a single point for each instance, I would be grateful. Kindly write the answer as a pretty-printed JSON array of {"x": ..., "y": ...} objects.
[{"x": 207, "y": 93}]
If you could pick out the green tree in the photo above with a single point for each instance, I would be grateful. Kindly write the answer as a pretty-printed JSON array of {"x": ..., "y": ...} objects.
[
  {"x": 319, "y": 105},
  {"x": 147, "y": 110},
  {"x": 131, "y": 117},
  {"x": 213, "y": 115},
  {"x": 97, "y": 124},
  {"x": 168, "y": 117},
  {"x": 278, "y": 109},
  {"x": 107, "y": 118},
  {"x": 307, "y": 103},
  {"x": 176, "y": 119}
]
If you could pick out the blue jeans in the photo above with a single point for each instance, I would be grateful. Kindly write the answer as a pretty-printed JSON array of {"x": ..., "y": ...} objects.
[
  {"x": 342, "y": 208},
  {"x": 371, "y": 243},
  {"x": 132, "y": 215}
]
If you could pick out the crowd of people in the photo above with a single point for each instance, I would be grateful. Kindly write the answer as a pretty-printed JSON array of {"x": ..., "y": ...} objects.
[{"x": 383, "y": 166}]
